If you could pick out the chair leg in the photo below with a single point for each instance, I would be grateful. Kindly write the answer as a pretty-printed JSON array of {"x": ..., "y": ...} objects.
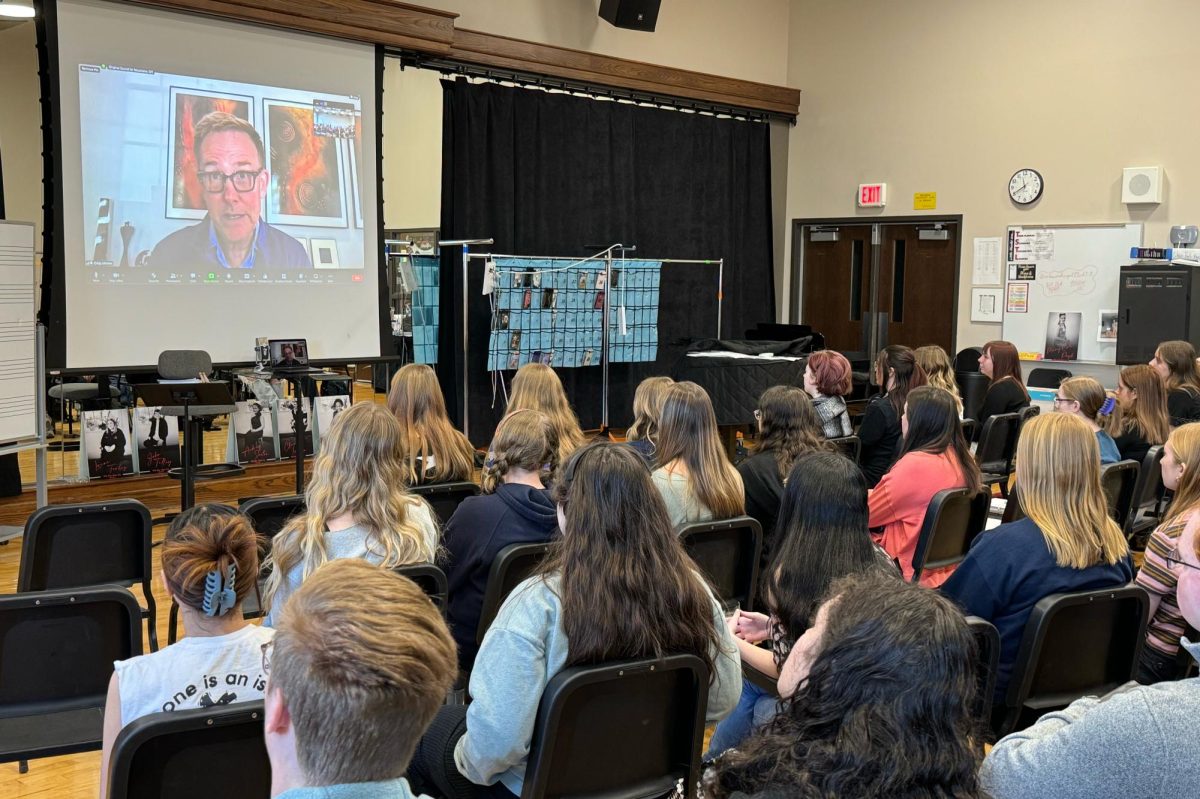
[
  {"x": 1004, "y": 488},
  {"x": 23, "y": 767}
]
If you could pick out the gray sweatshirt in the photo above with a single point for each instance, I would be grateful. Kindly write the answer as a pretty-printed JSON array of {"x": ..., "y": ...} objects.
[
  {"x": 1136, "y": 742},
  {"x": 523, "y": 649}
]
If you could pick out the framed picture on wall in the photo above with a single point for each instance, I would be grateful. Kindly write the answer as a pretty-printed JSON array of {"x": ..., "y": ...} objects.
[
  {"x": 185, "y": 198},
  {"x": 308, "y": 171}
]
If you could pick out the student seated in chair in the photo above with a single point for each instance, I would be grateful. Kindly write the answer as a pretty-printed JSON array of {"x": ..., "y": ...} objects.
[
  {"x": 1085, "y": 397},
  {"x": 536, "y": 387},
  {"x": 1136, "y": 741},
  {"x": 209, "y": 566},
  {"x": 878, "y": 693},
  {"x": 642, "y": 435},
  {"x": 617, "y": 584},
  {"x": 897, "y": 371},
  {"x": 432, "y": 449},
  {"x": 359, "y": 666}
]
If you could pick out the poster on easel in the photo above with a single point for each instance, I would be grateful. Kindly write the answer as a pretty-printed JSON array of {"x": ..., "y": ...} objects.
[
  {"x": 328, "y": 410},
  {"x": 157, "y": 438},
  {"x": 106, "y": 444},
  {"x": 253, "y": 429},
  {"x": 295, "y": 417}
]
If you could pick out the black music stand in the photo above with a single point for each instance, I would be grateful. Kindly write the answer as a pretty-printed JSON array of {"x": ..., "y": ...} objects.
[
  {"x": 210, "y": 399},
  {"x": 296, "y": 378}
]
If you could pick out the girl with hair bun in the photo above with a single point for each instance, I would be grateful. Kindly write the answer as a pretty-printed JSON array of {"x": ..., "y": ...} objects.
[
  {"x": 209, "y": 566},
  {"x": 515, "y": 508}
]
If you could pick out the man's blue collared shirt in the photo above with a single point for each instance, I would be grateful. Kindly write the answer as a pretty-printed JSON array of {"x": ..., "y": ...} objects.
[{"x": 197, "y": 247}]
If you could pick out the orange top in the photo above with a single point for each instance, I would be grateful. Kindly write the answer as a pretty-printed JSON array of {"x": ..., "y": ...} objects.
[{"x": 899, "y": 502}]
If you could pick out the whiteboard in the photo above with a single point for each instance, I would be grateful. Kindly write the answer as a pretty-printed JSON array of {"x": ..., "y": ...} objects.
[
  {"x": 1076, "y": 271},
  {"x": 18, "y": 334}
]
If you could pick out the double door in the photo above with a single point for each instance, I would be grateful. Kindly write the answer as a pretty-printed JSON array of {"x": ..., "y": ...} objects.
[{"x": 865, "y": 285}]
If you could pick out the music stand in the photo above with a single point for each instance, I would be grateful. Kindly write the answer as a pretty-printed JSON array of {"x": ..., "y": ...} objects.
[{"x": 209, "y": 398}]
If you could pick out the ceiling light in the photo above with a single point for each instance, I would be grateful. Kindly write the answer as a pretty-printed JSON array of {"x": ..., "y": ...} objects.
[{"x": 15, "y": 8}]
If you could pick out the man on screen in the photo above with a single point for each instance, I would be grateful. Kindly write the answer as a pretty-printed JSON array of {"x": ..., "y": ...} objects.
[
  {"x": 287, "y": 357},
  {"x": 233, "y": 179}
]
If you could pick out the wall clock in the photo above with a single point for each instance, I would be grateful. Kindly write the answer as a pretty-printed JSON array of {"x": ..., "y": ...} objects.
[{"x": 1025, "y": 186}]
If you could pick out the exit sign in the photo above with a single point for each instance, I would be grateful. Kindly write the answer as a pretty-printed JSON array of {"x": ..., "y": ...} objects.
[{"x": 872, "y": 195}]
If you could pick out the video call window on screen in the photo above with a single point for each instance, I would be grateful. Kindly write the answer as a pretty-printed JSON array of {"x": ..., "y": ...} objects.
[{"x": 187, "y": 178}]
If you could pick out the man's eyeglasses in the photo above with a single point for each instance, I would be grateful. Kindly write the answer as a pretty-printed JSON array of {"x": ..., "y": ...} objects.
[
  {"x": 214, "y": 182},
  {"x": 1174, "y": 558}
]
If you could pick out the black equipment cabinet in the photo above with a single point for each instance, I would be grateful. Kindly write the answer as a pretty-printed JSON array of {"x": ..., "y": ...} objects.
[{"x": 1157, "y": 303}]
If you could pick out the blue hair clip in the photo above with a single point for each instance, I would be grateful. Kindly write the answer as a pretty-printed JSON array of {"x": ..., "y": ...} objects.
[
  {"x": 219, "y": 600},
  {"x": 1109, "y": 405}
]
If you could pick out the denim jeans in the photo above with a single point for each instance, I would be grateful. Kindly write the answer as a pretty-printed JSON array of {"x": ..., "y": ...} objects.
[{"x": 755, "y": 708}]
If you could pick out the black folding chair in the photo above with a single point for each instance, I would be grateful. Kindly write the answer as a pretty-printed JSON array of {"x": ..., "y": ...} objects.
[
  {"x": 987, "y": 654},
  {"x": 952, "y": 520},
  {"x": 1027, "y": 413},
  {"x": 1119, "y": 481},
  {"x": 850, "y": 446},
  {"x": 1042, "y": 377},
  {"x": 727, "y": 552},
  {"x": 95, "y": 543},
  {"x": 972, "y": 387},
  {"x": 646, "y": 716},
  {"x": 58, "y": 651},
  {"x": 1012, "y": 506},
  {"x": 1147, "y": 494},
  {"x": 445, "y": 497},
  {"x": 997, "y": 448},
  {"x": 512, "y": 565},
  {"x": 429, "y": 578},
  {"x": 192, "y": 754},
  {"x": 1075, "y": 644}
]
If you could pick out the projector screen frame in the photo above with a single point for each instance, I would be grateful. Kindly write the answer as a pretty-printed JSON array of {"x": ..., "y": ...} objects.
[{"x": 52, "y": 305}]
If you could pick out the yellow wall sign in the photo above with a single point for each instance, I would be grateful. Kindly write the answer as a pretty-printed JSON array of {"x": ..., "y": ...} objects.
[{"x": 925, "y": 201}]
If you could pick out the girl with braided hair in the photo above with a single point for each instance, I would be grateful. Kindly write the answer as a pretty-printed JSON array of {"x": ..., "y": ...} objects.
[{"x": 515, "y": 508}]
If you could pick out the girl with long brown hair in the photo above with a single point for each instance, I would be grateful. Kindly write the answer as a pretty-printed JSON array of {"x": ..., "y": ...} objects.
[
  {"x": 1180, "y": 474},
  {"x": 432, "y": 449},
  {"x": 935, "y": 455},
  {"x": 356, "y": 506},
  {"x": 695, "y": 478},
  {"x": 617, "y": 584},
  {"x": 1175, "y": 363},
  {"x": 1066, "y": 542},
  {"x": 647, "y": 405},
  {"x": 788, "y": 428},
  {"x": 209, "y": 567},
  {"x": 514, "y": 508},
  {"x": 1006, "y": 393},
  {"x": 537, "y": 387},
  {"x": 897, "y": 372},
  {"x": 1145, "y": 422}
]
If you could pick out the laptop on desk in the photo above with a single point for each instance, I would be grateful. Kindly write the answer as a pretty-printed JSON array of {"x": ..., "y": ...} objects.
[{"x": 289, "y": 356}]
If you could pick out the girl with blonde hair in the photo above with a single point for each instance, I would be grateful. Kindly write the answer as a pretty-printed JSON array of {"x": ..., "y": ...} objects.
[
  {"x": 515, "y": 508},
  {"x": 696, "y": 479},
  {"x": 433, "y": 451},
  {"x": 1085, "y": 397},
  {"x": 357, "y": 506},
  {"x": 1066, "y": 542},
  {"x": 1159, "y": 576},
  {"x": 647, "y": 404},
  {"x": 536, "y": 387},
  {"x": 939, "y": 373},
  {"x": 1144, "y": 419},
  {"x": 1175, "y": 363}
]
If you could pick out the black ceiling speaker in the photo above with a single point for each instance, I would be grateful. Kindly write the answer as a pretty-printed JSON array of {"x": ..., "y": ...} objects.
[{"x": 638, "y": 15}]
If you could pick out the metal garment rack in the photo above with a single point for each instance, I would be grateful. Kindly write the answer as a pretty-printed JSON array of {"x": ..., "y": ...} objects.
[{"x": 607, "y": 256}]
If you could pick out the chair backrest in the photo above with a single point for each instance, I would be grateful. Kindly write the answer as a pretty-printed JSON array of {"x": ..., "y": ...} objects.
[
  {"x": 972, "y": 386},
  {"x": 850, "y": 446},
  {"x": 96, "y": 543},
  {"x": 1028, "y": 412},
  {"x": 1076, "y": 644},
  {"x": 183, "y": 364},
  {"x": 269, "y": 515},
  {"x": 998, "y": 443},
  {"x": 987, "y": 660},
  {"x": 727, "y": 552},
  {"x": 952, "y": 520},
  {"x": 429, "y": 578},
  {"x": 512, "y": 565},
  {"x": 192, "y": 754},
  {"x": 646, "y": 716},
  {"x": 1012, "y": 508},
  {"x": 445, "y": 497},
  {"x": 1119, "y": 481},
  {"x": 1149, "y": 488},
  {"x": 58, "y": 651},
  {"x": 1041, "y": 377}
]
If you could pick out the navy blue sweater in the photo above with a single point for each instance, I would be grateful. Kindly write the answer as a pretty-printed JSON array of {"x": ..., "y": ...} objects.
[
  {"x": 1007, "y": 572},
  {"x": 474, "y": 536}
]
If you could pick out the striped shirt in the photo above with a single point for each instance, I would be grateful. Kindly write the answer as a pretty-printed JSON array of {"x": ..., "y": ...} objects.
[{"x": 1168, "y": 625}]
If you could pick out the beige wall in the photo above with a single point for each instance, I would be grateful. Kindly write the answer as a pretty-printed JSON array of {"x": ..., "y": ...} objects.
[
  {"x": 21, "y": 126},
  {"x": 954, "y": 97}
]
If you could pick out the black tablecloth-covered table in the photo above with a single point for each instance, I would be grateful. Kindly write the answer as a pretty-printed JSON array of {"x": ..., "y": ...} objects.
[{"x": 735, "y": 384}]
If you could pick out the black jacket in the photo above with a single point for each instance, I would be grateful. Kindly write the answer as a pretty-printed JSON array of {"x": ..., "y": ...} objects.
[
  {"x": 475, "y": 534},
  {"x": 764, "y": 491},
  {"x": 880, "y": 437}
]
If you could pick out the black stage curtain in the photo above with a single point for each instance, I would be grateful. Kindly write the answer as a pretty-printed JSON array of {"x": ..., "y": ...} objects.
[{"x": 548, "y": 174}]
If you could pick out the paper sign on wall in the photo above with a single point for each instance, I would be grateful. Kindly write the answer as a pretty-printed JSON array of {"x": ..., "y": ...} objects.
[
  {"x": 1018, "y": 298},
  {"x": 925, "y": 201}
]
